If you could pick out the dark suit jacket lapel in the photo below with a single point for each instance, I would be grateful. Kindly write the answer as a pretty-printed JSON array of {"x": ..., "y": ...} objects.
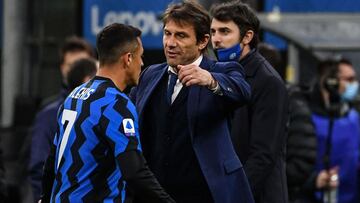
[{"x": 150, "y": 87}]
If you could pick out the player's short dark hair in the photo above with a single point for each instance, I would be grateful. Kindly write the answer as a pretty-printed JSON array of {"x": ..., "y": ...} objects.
[
  {"x": 115, "y": 40},
  {"x": 79, "y": 70},
  {"x": 189, "y": 12},
  {"x": 242, "y": 15},
  {"x": 75, "y": 44}
]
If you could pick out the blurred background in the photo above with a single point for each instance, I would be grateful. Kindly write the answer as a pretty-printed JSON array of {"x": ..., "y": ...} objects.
[{"x": 31, "y": 32}]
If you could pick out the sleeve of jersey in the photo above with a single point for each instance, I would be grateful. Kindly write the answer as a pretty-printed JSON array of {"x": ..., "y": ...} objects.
[{"x": 120, "y": 125}]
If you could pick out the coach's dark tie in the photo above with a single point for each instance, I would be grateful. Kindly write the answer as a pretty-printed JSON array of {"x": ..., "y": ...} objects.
[{"x": 172, "y": 82}]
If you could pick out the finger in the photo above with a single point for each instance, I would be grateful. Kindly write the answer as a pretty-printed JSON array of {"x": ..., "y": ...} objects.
[
  {"x": 183, "y": 68},
  {"x": 186, "y": 79},
  {"x": 179, "y": 67},
  {"x": 189, "y": 67},
  {"x": 189, "y": 83},
  {"x": 184, "y": 73},
  {"x": 181, "y": 76},
  {"x": 192, "y": 81}
]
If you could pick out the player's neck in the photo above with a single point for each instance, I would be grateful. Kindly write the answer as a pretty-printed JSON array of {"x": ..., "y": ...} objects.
[{"x": 115, "y": 74}]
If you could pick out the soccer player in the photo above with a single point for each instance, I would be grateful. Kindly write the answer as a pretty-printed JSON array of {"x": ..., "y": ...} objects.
[{"x": 96, "y": 152}]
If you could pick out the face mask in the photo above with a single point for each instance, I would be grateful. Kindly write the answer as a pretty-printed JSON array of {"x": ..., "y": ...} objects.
[
  {"x": 229, "y": 54},
  {"x": 350, "y": 92}
]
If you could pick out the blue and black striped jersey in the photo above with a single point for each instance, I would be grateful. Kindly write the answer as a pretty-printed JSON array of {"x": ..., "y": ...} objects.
[{"x": 96, "y": 123}]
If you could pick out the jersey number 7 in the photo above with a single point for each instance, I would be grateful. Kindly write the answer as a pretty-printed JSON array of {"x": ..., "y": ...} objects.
[{"x": 70, "y": 117}]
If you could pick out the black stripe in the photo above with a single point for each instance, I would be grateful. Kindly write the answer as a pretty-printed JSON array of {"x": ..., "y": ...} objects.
[
  {"x": 120, "y": 107},
  {"x": 58, "y": 179}
]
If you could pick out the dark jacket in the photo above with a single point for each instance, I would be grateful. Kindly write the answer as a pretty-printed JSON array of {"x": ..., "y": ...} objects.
[
  {"x": 207, "y": 120},
  {"x": 42, "y": 137},
  {"x": 258, "y": 131},
  {"x": 301, "y": 146},
  {"x": 3, "y": 186}
]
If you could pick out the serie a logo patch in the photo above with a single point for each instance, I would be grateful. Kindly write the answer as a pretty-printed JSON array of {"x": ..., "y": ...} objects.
[{"x": 129, "y": 128}]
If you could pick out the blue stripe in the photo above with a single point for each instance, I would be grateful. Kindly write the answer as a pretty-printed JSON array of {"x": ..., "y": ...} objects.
[
  {"x": 112, "y": 182},
  {"x": 123, "y": 193},
  {"x": 112, "y": 131}
]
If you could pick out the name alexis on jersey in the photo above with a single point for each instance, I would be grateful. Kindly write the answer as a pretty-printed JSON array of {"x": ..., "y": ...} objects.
[{"x": 81, "y": 93}]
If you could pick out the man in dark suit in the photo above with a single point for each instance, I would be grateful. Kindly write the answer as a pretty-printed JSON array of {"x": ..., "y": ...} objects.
[
  {"x": 258, "y": 129},
  {"x": 183, "y": 107}
]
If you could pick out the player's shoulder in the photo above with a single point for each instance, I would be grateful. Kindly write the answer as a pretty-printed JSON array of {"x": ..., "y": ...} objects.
[{"x": 112, "y": 94}]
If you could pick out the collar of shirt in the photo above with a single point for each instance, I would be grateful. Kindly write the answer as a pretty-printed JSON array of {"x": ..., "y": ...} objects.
[{"x": 196, "y": 62}]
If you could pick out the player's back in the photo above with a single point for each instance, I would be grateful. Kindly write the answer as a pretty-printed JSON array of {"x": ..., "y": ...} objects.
[{"x": 95, "y": 124}]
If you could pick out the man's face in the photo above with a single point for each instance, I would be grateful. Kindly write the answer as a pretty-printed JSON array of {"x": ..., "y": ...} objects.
[
  {"x": 180, "y": 44},
  {"x": 346, "y": 75},
  {"x": 69, "y": 59},
  {"x": 133, "y": 72},
  {"x": 224, "y": 34}
]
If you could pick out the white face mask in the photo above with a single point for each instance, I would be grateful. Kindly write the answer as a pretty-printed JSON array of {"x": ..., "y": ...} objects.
[{"x": 351, "y": 90}]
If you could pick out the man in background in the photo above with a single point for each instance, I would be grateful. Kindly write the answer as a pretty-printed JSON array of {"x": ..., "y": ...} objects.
[
  {"x": 301, "y": 141},
  {"x": 81, "y": 71},
  {"x": 258, "y": 129},
  {"x": 337, "y": 133}
]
